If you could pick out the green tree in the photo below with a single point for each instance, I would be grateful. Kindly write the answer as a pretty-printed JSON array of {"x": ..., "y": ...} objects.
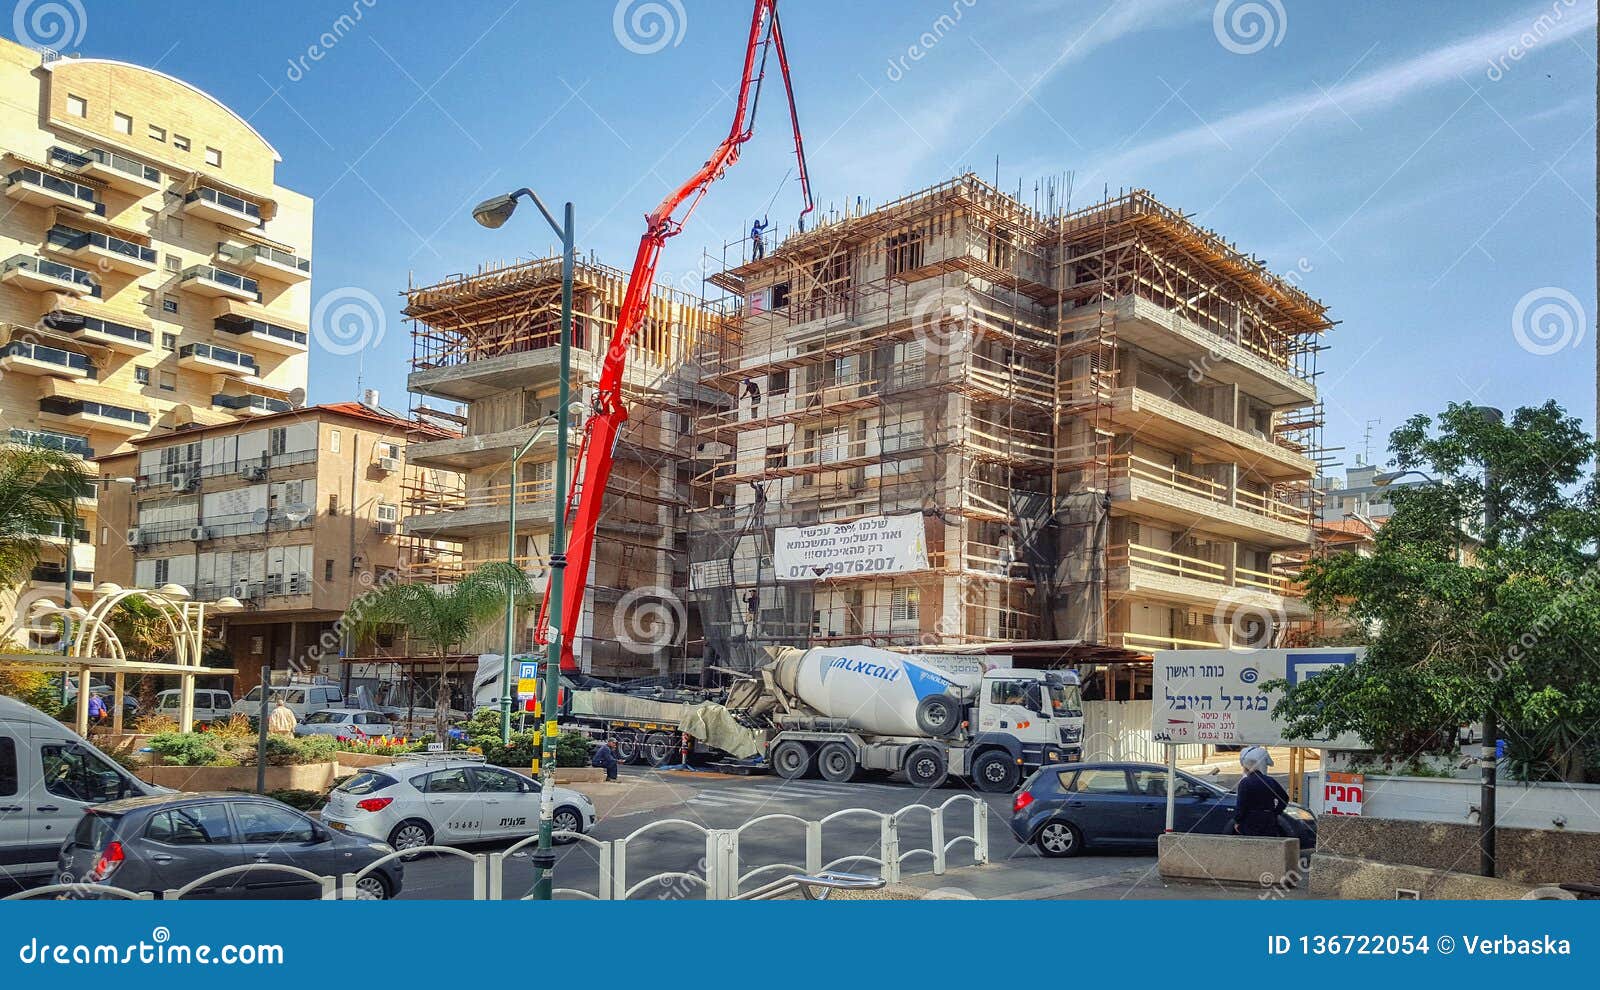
[
  {"x": 1481, "y": 590},
  {"x": 38, "y": 495},
  {"x": 442, "y": 617}
]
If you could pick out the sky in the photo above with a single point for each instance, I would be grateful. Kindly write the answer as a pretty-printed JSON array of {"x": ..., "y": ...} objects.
[{"x": 1427, "y": 170}]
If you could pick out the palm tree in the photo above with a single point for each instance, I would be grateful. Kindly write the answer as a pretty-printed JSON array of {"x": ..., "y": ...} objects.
[
  {"x": 39, "y": 490},
  {"x": 443, "y": 616}
]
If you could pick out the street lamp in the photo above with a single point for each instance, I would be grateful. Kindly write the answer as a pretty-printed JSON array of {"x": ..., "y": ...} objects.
[{"x": 493, "y": 213}]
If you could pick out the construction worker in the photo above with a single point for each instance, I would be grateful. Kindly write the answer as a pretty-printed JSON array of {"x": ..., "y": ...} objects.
[
  {"x": 758, "y": 246},
  {"x": 752, "y": 391},
  {"x": 605, "y": 759}
]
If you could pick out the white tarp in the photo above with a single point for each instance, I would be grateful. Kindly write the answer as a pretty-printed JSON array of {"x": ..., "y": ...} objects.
[
  {"x": 1214, "y": 696},
  {"x": 874, "y": 545}
]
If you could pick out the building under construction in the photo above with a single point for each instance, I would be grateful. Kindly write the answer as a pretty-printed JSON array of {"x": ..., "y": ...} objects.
[
  {"x": 1106, "y": 419},
  {"x": 490, "y": 343}
]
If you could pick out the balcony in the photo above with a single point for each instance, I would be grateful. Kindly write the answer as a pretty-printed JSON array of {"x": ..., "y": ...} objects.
[
  {"x": 1145, "y": 488},
  {"x": 1199, "y": 584},
  {"x": 59, "y": 532},
  {"x": 265, "y": 261},
  {"x": 1162, "y": 421},
  {"x": 44, "y": 275},
  {"x": 28, "y": 358},
  {"x": 207, "y": 280},
  {"x": 92, "y": 329},
  {"x": 117, "y": 171},
  {"x": 30, "y": 185},
  {"x": 457, "y": 515},
  {"x": 66, "y": 443},
  {"x": 465, "y": 453},
  {"x": 102, "y": 250},
  {"x": 87, "y": 414},
  {"x": 249, "y": 405},
  {"x": 222, "y": 208},
  {"x": 265, "y": 336},
  {"x": 54, "y": 577},
  {"x": 223, "y": 360}
]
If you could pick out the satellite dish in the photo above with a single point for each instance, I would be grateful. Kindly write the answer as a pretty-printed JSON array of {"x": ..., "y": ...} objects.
[
  {"x": 297, "y": 397},
  {"x": 260, "y": 517},
  {"x": 297, "y": 512}
]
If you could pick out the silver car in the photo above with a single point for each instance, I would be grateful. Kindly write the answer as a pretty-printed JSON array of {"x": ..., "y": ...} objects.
[
  {"x": 448, "y": 801},
  {"x": 353, "y": 723}
]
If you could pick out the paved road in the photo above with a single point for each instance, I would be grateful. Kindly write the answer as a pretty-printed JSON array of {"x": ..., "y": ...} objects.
[{"x": 714, "y": 801}]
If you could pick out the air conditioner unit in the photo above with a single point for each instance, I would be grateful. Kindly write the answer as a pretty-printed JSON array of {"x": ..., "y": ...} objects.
[
  {"x": 388, "y": 463},
  {"x": 253, "y": 472},
  {"x": 135, "y": 536},
  {"x": 198, "y": 533},
  {"x": 182, "y": 481},
  {"x": 242, "y": 589}
]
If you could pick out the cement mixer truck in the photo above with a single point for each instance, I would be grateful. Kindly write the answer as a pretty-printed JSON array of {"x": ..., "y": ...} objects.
[{"x": 838, "y": 711}]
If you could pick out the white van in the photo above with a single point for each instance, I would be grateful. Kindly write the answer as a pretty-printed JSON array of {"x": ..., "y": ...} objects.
[
  {"x": 48, "y": 775},
  {"x": 209, "y": 704},
  {"x": 302, "y": 699}
]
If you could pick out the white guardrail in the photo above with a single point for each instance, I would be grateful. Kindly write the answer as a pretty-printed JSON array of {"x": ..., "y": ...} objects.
[{"x": 722, "y": 872}]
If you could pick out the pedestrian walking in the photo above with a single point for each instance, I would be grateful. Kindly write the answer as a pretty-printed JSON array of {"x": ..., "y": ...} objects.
[
  {"x": 282, "y": 721},
  {"x": 1261, "y": 798},
  {"x": 97, "y": 708},
  {"x": 604, "y": 758}
]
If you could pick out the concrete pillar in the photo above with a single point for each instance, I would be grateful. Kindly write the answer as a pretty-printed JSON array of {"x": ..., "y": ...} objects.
[
  {"x": 83, "y": 701},
  {"x": 117, "y": 684},
  {"x": 185, "y": 702}
]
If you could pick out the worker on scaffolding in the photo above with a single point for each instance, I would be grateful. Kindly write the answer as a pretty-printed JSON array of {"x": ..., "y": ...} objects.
[
  {"x": 752, "y": 391},
  {"x": 758, "y": 244}
]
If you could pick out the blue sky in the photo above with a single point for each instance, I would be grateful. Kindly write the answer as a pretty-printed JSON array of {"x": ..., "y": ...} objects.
[{"x": 1426, "y": 169}]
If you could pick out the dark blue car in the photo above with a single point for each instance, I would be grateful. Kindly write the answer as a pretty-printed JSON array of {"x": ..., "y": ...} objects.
[{"x": 1067, "y": 808}]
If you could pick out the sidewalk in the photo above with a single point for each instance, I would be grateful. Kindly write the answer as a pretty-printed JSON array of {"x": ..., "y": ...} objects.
[{"x": 1088, "y": 878}]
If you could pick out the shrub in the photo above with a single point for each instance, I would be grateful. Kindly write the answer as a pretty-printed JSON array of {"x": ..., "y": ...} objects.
[
  {"x": 189, "y": 749},
  {"x": 573, "y": 749},
  {"x": 33, "y": 687}
]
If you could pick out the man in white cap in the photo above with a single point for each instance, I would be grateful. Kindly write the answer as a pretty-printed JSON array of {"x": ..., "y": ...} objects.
[{"x": 1261, "y": 799}]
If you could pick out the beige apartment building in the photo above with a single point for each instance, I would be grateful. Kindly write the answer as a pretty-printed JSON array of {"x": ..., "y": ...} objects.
[
  {"x": 296, "y": 514},
  {"x": 153, "y": 274},
  {"x": 488, "y": 343},
  {"x": 1106, "y": 421}
]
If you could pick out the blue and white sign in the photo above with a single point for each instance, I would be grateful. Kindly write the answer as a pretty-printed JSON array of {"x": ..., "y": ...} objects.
[{"x": 1215, "y": 697}]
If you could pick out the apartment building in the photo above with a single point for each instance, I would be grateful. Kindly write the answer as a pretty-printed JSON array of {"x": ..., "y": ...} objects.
[
  {"x": 1105, "y": 423},
  {"x": 296, "y": 514},
  {"x": 489, "y": 344},
  {"x": 153, "y": 274}
]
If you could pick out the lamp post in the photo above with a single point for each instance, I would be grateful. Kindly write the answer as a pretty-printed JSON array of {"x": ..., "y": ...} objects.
[
  {"x": 492, "y": 213},
  {"x": 506, "y": 693}
]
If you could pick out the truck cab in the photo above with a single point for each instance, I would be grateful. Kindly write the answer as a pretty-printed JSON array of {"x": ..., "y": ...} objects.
[{"x": 1036, "y": 714}]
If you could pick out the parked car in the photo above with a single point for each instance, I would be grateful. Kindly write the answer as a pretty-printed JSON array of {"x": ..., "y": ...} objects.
[
  {"x": 167, "y": 841},
  {"x": 1064, "y": 809},
  {"x": 345, "y": 722},
  {"x": 302, "y": 699},
  {"x": 209, "y": 704},
  {"x": 448, "y": 801},
  {"x": 130, "y": 702},
  {"x": 48, "y": 776}
]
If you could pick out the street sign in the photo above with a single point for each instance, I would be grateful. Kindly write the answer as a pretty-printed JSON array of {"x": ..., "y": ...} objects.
[
  {"x": 527, "y": 680},
  {"x": 1343, "y": 793},
  {"x": 1214, "y": 696}
]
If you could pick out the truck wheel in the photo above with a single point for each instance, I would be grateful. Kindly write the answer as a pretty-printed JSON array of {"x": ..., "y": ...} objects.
[
  {"x": 659, "y": 749},
  {"x": 926, "y": 767},
  {"x": 836, "y": 762},
  {"x": 630, "y": 747},
  {"x": 938, "y": 715},
  {"x": 791, "y": 760},
  {"x": 996, "y": 772}
]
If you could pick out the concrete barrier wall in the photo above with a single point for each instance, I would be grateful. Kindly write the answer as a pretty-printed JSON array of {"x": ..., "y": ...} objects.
[
  {"x": 1572, "y": 807},
  {"x": 1228, "y": 859},
  {"x": 1352, "y": 878},
  {"x": 1527, "y": 856},
  {"x": 307, "y": 777}
]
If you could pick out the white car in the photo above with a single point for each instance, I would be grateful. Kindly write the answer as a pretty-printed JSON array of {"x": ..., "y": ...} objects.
[
  {"x": 302, "y": 699},
  {"x": 209, "y": 705},
  {"x": 448, "y": 801},
  {"x": 355, "y": 722}
]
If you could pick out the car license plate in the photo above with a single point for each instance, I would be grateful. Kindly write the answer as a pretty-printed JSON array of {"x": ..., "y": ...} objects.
[{"x": 339, "y": 826}]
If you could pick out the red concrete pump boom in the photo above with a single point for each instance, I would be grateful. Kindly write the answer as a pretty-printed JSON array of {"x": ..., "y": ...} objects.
[{"x": 586, "y": 497}]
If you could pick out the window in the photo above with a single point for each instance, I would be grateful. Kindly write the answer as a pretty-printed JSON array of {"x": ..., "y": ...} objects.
[
  {"x": 169, "y": 304},
  {"x": 327, "y": 570},
  {"x": 158, "y": 133},
  {"x": 174, "y": 264},
  {"x": 163, "y": 568},
  {"x": 77, "y": 774},
  {"x": 147, "y": 298},
  {"x": 8, "y": 766},
  {"x": 366, "y": 782},
  {"x": 180, "y": 142},
  {"x": 277, "y": 441},
  {"x": 778, "y": 457},
  {"x": 214, "y": 157},
  {"x": 905, "y": 604},
  {"x": 904, "y": 251},
  {"x": 141, "y": 375},
  {"x": 167, "y": 382},
  {"x": 77, "y": 106},
  {"x": 265, "y": 823},
  {"x": 333, "y": 441},
  {"x": 196, "y": 825},
  {"x": 1100, "y": 782},
  {"x": 447, "y": 782},
  {"x": 778, "y": 382},
  {"x": 333, "y": 504},
  {"x": 780, "y": 295},
  {"x": 388, "y": 513},
  {"x": 122, "y": 122},
  {"x": 497, "y": 781},
  {"x": 1153, "y": 783},
  {"x": 169, "y": 341}
]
